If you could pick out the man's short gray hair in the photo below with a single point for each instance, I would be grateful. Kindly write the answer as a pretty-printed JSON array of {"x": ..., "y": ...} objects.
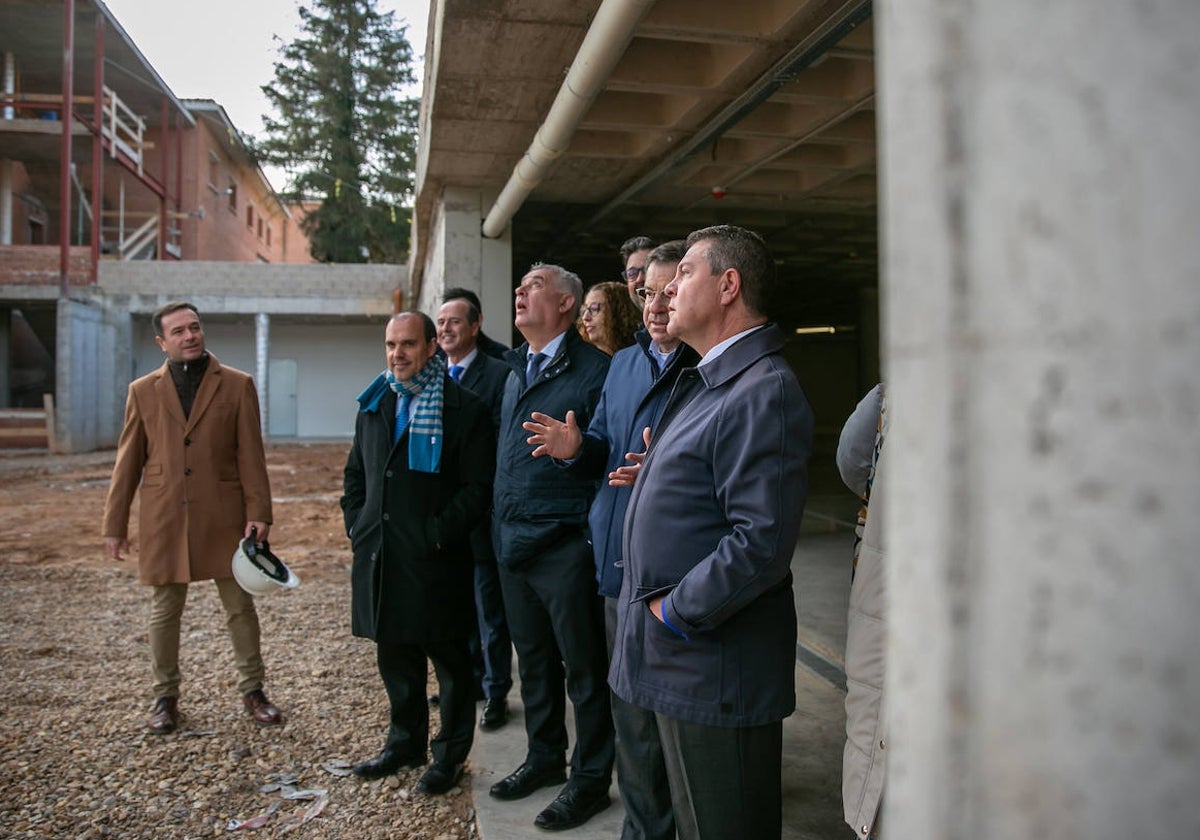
[{"x": 568, "y": 283}]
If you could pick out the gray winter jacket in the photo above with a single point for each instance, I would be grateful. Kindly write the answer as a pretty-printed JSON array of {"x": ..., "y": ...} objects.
[{"x": 866, "y": 737}]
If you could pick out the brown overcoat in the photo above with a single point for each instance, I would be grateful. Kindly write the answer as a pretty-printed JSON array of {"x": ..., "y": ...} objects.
[{"x": 202, "y": 479}]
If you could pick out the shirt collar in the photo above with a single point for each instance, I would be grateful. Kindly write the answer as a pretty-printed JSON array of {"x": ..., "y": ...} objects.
[
  {"x": 717, "y": 350},
  {"x": 662, "y": 357},
  {"x": 465, "y": 361},
  {"x": 551, "y": 348}
]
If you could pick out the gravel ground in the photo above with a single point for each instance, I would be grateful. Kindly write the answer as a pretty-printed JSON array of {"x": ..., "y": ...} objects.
[{"x": 75, "y": 759}]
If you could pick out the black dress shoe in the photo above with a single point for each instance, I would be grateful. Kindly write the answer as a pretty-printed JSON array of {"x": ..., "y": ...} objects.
[
  {"x": 525, "y": 780},
  {"x": 495, "y": 714},
  {"x": 386, "y": 763},
  {"x": 574, "y": 806},
  {"x": 439, "y": 778}
]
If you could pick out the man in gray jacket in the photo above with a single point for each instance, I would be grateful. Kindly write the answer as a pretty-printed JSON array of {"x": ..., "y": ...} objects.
[{"x": 706, "y": 626}]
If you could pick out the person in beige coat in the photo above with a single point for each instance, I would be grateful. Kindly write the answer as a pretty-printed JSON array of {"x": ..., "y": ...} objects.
[
  {"x": 863, "y": 760},
  {"x": 192, "y": 441}
]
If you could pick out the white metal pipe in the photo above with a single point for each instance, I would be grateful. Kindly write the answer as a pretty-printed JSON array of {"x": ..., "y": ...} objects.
[
  {"x": 602, "y": 48},
  {"x": 10, "y": 82},
  {"x": 6, "y": 166},
  {"x": 262, "y": 355}
]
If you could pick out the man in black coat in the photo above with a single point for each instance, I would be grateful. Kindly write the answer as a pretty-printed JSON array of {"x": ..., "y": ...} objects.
[
  {"x": 546, "y": 569},
  {"x": 416, "y": 482},
  {"x": 458, "y": 325}
]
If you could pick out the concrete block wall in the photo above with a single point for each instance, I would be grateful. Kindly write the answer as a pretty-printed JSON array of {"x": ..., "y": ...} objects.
[{"x": 348, "y": 290}]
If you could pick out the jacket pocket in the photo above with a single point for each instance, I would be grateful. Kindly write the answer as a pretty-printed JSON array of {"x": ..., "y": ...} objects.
[
  {"x": 152, "y": 475},
  {"x": 689, "y": 669}
]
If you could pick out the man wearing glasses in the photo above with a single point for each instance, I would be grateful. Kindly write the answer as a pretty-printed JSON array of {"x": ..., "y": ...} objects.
[
  {"x": 634, "y": 254},
  {"x": 635, "y": 393}
]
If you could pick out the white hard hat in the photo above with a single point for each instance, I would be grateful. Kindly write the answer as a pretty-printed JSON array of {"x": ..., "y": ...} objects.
[{"x": 258, "y": 571}]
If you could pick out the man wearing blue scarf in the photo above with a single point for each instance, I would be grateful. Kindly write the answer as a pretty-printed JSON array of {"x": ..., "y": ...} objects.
[{"x": 417, "y": 481}]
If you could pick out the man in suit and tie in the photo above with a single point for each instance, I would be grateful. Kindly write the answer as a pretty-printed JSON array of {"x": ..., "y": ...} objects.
[
  {"x": 546, "y": 571},
  {"x": 417, "y": 480},
  {"x": 458, "y": 326},
  {"x": 635, "y": 393},
  {"x": 487, "y": 345}
]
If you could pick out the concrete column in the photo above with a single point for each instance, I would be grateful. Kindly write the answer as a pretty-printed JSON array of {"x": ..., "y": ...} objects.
[
  {"x": 459, "y": 255},
  {"x": 262, "y": 357},
  {"x": 1039, "y": 191}
]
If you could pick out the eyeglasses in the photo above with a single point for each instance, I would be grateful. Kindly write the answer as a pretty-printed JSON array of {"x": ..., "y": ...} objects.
[
  {"x": 634, "y": 272},
  {"x": 649, "y": 295},
  {"x": 591, "y": 310}
]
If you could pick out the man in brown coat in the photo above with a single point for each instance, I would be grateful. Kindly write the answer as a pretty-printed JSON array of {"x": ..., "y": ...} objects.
[{"x": 192, "y": 440}]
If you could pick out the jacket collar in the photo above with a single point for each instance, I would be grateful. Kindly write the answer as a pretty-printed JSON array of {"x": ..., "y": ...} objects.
[
  {"x": 561, "y": 361},
  {"x": 165, "y": 387},
  {"x": 684, "y": 356},
  {"x": 764, "y": 341}
]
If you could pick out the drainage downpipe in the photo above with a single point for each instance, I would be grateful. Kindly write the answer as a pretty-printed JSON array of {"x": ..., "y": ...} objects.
[
  {"x": 262, "y": 356},
  {"x": 602, "y": 48}
]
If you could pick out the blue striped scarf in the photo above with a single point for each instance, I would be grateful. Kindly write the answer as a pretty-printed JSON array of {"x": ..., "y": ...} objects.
[{"x": 425, "y": 430}]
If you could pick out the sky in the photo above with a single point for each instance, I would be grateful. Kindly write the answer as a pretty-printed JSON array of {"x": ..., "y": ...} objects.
[{"x": 225, "y": 50}]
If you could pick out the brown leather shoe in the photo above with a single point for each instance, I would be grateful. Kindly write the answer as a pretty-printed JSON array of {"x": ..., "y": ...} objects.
[
  {"x": 165, "y": 718},
  {"x": 261, "y": 709}
]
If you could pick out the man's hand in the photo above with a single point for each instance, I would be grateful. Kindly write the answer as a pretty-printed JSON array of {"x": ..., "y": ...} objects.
[
  {"x": 263, "y": 529},
  {"x": 625, "y": 476},
  {"x": 116, "y": 547},
  {"x": 655, "y": 605},
  {"x": 553, "y": 438}
]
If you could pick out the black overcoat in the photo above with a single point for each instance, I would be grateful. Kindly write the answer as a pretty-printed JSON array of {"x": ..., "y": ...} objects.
[{"x": 413, "y": 572}]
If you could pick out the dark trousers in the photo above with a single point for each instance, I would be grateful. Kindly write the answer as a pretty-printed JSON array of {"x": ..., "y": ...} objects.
[
  {"x": 554, "y": 616},
  {"x": 403, "y": 669},
  {"x": 726, "y": 783},
  {"x": 494, "y": 642},
  {"x": 641, "y": 770}
]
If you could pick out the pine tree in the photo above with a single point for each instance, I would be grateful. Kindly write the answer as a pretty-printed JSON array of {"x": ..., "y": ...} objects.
[{"x": 344, "y": 133}]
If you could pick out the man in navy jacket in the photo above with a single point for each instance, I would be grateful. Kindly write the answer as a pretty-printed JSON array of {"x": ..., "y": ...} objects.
[
  {"x": 635, "y": 393},
  {"x": 539, "y": 529},
  {"x": 706, "y": 626}
]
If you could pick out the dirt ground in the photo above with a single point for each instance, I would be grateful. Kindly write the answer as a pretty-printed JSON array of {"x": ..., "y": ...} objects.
[{"x": 74, "y": 755}]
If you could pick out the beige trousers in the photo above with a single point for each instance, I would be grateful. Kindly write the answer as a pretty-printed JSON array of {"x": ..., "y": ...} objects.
[{"x": 166, "y": 611}]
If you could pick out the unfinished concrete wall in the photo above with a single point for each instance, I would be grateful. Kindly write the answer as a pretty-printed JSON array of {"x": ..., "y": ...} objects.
[
  {"x": 1041, "y": 334},
  {"x": 92, "y": 356},
  {"x": 459, "y": 255},
  {"x": 347, "y": 290}
]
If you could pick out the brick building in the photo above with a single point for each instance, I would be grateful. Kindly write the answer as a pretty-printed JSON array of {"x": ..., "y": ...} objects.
[{"x": 115, "y": 197}]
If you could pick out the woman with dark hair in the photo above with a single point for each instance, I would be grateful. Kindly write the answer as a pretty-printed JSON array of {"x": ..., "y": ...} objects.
[{"x": 608, "y": 318}]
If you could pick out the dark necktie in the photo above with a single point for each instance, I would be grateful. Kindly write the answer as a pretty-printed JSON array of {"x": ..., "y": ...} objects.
[
  {"x": 535, "y": 365},
  {"x": 402, "y": 416},
  {"x": 456, "y": 372}
]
